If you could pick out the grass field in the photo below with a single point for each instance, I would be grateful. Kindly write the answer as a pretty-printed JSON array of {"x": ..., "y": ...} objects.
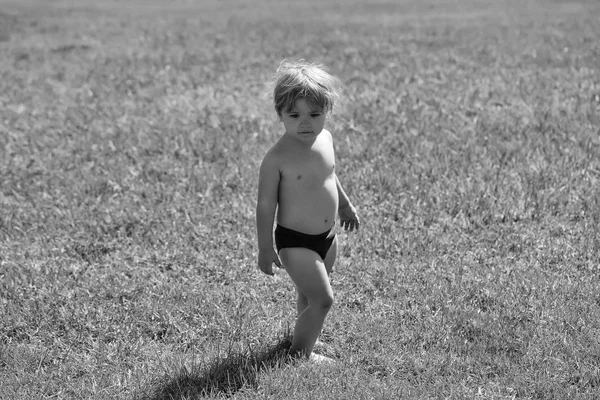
[{"x": 130, "y": 138}]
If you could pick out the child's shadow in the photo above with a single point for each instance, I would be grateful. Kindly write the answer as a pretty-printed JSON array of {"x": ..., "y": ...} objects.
[{"x": 225, "y": 376}]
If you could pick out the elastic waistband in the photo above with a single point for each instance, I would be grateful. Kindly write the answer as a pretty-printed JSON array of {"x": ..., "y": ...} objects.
[{"x": 291, "y": 232}]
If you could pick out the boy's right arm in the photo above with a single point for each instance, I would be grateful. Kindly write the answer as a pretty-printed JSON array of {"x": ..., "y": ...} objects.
[{"x": 268, "y": 189}]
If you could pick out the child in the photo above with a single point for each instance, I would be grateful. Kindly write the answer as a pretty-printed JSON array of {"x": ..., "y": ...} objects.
[{"x": 297, "y": 178}]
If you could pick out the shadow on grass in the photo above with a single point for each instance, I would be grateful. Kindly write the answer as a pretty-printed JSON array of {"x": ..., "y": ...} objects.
[{"x": 224, "y": 376}]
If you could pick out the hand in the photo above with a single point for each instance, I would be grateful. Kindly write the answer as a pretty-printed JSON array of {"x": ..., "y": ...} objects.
[
  {"x": 349, "y": 217},
  {"x": 266, "y": 259}
]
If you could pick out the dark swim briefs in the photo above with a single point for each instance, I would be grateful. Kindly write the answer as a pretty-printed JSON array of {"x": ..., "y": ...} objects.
[{"x": 321, "y": 243}]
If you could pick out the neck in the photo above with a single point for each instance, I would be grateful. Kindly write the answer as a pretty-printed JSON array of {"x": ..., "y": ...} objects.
[{"x": 304, "y": 143}]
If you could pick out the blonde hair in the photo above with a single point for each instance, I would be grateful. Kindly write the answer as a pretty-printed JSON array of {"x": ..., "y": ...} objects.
[{"x": 303, "y": 80}]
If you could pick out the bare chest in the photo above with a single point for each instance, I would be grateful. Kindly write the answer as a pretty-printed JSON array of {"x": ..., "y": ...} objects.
[{"x": 311, "y": 169}]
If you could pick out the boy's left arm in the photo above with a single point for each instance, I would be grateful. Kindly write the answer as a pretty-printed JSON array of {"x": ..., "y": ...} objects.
[{"x": 348, "y": 216}]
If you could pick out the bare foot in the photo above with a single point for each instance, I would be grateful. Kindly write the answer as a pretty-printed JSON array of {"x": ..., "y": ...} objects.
[
  {"x": 319, "y": 346},
  {"x": 319, "y": 359}
]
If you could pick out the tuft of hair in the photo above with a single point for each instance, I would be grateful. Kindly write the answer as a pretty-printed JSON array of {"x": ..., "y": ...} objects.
[{"x": 303, "y": 80}]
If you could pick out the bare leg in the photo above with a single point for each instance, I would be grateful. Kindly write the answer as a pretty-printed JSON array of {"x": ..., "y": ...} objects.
[
  {"x": 329, "y": 261},
  {"x": 300, "y": 306},
  {"x": 331, "y": 256},
  {"x": 302, "y": 301},
  {"x": 308, "y": 272}
]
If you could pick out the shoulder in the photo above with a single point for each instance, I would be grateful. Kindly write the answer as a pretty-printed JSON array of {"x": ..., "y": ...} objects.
[
  {"x": 327, "y": 138},
  {"x": 273, "y": 157},
  {"x": 327, "y": 135}
]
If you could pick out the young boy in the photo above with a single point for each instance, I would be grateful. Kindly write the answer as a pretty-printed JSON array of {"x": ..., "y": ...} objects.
[{"x": 298, "y": 182}]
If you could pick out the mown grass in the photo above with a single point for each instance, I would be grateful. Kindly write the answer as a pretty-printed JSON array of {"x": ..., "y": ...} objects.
[{"x": 130, "y": 139}]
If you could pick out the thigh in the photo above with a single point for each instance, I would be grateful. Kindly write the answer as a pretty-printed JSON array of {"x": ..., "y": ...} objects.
[
  {"x": 307, "y": 271},
  {"x": 331, "y": 256}
]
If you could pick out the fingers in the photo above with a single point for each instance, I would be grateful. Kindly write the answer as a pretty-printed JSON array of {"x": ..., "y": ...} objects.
[
  {"x": 267, "y": 269},
  {"x": 266, "y": 259},
  {"x": 350, "y": 224}
]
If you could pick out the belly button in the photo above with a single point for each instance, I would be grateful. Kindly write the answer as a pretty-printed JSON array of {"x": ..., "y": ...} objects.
[{"x": 299, "y": 177}]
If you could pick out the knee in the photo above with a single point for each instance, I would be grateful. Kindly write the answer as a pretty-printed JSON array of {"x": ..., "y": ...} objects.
[{"x": 324, "y": 303}]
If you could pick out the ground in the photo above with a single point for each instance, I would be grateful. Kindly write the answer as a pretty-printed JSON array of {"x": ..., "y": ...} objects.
[{"x": 130, "y": 139}]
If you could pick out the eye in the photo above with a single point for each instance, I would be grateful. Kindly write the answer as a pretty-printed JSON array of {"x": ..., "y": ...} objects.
[
  {"x": 294, "y": 116},
  {"x": 315, "y": 115}
]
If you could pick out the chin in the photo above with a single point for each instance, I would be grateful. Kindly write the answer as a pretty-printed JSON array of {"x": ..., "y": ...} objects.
[{"x": 305, "y": 136}]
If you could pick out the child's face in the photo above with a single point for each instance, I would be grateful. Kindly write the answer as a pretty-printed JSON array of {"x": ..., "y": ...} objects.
[{"x": 303, "y": 122}]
